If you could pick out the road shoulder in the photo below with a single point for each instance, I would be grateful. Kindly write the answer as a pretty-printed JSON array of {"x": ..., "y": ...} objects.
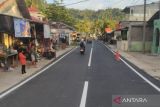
[{"x": 146, "y": 62}]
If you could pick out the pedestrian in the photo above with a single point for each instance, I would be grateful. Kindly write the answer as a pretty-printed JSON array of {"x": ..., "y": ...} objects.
[
  {"x": 22, "y": 59},
  {"x": 33, "y": 56}
]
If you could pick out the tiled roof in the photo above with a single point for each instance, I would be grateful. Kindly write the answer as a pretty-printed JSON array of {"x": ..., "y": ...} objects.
[{"x": 33, "y": 9}]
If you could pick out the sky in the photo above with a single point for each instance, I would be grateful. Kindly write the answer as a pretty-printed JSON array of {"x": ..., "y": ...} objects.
[{"x": 102, "y": 4}]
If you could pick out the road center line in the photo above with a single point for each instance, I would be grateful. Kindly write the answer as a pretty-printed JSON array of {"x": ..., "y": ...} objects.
[
  {"x": 84, "y": 95},
  {"x": 140, "y": 75},
  {"x": 33, "y": 76},
  {"x": 90, "y": 58}
]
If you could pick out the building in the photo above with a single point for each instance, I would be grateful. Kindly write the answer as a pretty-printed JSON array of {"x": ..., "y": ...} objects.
[
  {"x": 155, "y": 21},
  {"x": 136, "y": 13},
  {"x": 40, "y": 29},
  {"x": 61, "y": 30},
  {"x": 131, "y": 37},
  {"x": 12, "y": 13}
]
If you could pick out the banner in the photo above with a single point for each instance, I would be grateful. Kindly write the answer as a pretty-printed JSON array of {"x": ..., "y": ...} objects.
[
  {"x": 22, "y": 28},
  {"x": 47, "y": 31}
]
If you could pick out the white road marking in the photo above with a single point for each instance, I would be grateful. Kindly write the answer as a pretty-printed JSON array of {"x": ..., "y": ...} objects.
[
  {"x": 90, "y": 58},
  {"x": 144, "y": 78},
  {"x": 92, "y": 43},
  {"x": 84, "y": 95},
  {"x": 140, "y": 75},
  {"x": 30, "y": 78}
]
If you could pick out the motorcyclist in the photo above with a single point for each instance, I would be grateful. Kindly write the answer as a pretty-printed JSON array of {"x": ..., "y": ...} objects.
[{"x": 82, "y": 44}]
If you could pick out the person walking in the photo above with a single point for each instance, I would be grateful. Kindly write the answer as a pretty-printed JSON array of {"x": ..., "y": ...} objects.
[{"x": 22, "y": 59}]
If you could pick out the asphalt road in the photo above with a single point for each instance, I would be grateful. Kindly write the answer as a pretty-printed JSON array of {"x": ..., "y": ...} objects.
[{"x": 62, "y": 85}]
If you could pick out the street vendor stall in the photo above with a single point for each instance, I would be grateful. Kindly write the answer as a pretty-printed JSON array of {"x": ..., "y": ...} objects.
[
  {"x": 7, "y": 53},
  {"x": 8, "y": 57}
]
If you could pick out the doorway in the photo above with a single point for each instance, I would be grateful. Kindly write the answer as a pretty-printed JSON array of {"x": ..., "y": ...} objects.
[{"x": 157, "y": 38}]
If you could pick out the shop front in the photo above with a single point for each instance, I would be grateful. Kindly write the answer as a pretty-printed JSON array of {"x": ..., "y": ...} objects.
[
  {"x": 8, "y": 55},
  {"x": 42, "y": 37},
  {"x": 48, "y": 43}
]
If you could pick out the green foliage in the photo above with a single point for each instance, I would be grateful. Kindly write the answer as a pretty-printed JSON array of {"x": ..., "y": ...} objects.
[
  {"x": 87, "y": 21},
  {"x": 84, "y": 26},
  {"x": 28, "y": 3},
  {"x": 98, "y": 20},
  {"x": 36, "y": 3},
  {"x": 58, "y": 13}
]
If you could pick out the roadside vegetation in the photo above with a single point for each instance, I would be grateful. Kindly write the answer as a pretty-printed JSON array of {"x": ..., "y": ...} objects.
[{"x": 86, "y": 21}]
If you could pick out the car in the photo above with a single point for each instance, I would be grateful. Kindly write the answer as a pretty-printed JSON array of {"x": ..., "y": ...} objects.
[{"x": 89, "y": 40}]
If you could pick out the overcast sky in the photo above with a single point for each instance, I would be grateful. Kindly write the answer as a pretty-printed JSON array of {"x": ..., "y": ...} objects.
[{"x": 102, "y": 4}]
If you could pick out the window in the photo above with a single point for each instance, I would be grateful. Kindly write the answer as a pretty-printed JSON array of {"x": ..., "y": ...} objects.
[{"x": 131, "y": 11}]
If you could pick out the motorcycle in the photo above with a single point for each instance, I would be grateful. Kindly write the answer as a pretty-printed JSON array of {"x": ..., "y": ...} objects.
[{"x": 82, "y": 50}]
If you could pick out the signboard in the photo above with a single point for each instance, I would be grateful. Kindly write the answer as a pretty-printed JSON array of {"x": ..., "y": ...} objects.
[
  {"x": 22, "y": 28},
  {"x": 47, "y": 31},
  {"x": 108, "y": 30}
]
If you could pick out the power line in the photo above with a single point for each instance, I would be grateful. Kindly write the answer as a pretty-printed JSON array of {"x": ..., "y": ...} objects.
[
  {"x": 135, "y": 2},
  {"x": 118, "y": 3},
  {"x": 153, "y": 0},
  {"x": 132, "y": 2},
  {"x": 76, "y": 3}
]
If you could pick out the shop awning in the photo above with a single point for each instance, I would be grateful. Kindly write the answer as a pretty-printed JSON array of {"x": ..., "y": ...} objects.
[
  {"x": 6, "y": 24},
  {"x": 15, "y": 8}
]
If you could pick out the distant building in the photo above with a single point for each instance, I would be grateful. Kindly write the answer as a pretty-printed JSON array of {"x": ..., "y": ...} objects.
[
  {"x": 131, "y": 28},
  {"x": 61, "y": 30},
  {"x": 131, "y": 36},
  {"x": 136, "y": 13}
]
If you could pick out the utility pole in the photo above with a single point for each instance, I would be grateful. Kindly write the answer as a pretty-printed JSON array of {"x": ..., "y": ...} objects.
[
  {"x": 144, "y": 26},
  {"x": 159, "y": 9}
]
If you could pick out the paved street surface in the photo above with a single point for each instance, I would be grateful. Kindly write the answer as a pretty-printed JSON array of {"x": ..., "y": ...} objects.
[{"x": 77, "y": 80}]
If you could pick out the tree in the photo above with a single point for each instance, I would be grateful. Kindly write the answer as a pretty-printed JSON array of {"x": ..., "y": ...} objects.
[
  {"x": 58, "y": 13},
  {"x": 84, "y": 26},
  {"x": 100, "y": 19},
  {"x": 36, "y": 3},
  {"x": 87, "y": 21}
]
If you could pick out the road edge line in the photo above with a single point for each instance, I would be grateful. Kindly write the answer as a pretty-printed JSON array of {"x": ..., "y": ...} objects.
[
  {"x": 140, "y": 75},
  {"x": 33, "y": 76}
]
